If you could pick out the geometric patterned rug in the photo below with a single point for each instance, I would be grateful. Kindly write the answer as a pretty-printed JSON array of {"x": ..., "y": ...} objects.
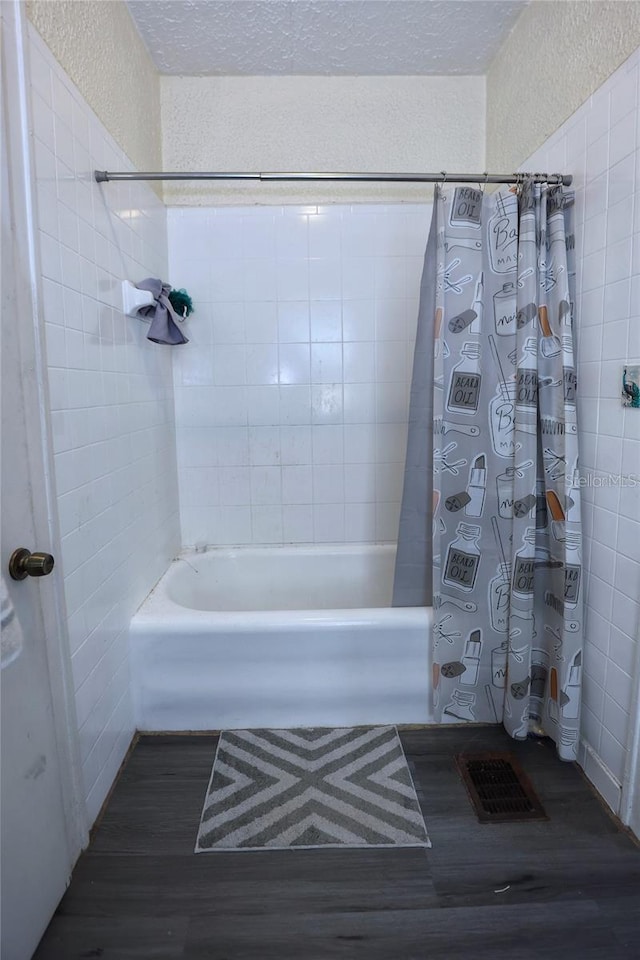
[{"x": 312, "y": 787}]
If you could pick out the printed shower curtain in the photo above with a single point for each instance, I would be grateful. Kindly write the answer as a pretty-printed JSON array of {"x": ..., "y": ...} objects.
[{"x": 505, "y": 500}]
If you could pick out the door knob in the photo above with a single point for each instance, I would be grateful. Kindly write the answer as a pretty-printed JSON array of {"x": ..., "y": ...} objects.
[{"x": 24, "y": 564}]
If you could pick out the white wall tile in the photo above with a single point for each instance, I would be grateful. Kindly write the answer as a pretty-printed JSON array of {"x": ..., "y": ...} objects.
[
  {"x": 234, "y": 485},
  {"x": 294, "y": 364},
  {"x": 328, "y": 443},
  {"x": 295, "y": 404},
  {"x": 327, "y": 358},
  {"x": 262, "y": 363},
  {"x": 266, "y": 485},
  {"x": 267, "y": 524},
  {"x": 327, "y": 403},
  {"x": 325, "y": 320},
  {"x": 292, "y": 236},
  {"x": 295, "y": 445},
  {"x": 234, "y": 526},
  {"x": 328, "y": 483},
  {"x": 359, "y": 484},
  {"x": 227, "y": 324},
  {"x": 293, "y": 321},
  {"x": 324, "y": 236},
  {"x": 325, "y": 279},
  {"x": 293, "y": 279},
  {"x": 358, "y": 319},
  {"x": 607, "y": 278},
  {"x": 297, "y": 523},
  {"x": 263, "y": 404},
  {"x": 228, "y": 364},
  {"x": 328, "y": 523},
  {"x": 360, "y": 522},
  {"x": 112, "y": 400},
  {"x": 326, "y": 362},
  {"x": 297, "y": 485},
  {"x": 264, "y": 446},
  {"x": 260, "y": 317},
  {"x": 258, "y": 237},
  {"x": 358, "y": 277},
  {"x": 359, "y": 359}
]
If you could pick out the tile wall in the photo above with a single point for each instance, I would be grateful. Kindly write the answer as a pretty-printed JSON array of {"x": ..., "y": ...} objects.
[
  {"x": 112, "y": 404},
  {"x": 292, "y": 396},
  {"x": 600, "y": 146}
]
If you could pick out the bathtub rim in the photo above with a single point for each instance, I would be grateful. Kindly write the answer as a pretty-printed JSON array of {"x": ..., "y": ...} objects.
[{"x": 161, "y": 612}]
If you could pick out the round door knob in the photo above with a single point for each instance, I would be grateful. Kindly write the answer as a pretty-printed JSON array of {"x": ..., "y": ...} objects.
[{"x": 24, "y": 564}]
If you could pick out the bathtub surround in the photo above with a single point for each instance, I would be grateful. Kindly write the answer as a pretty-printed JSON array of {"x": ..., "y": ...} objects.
[
  {"x": 291, "y": 398},
  {"x": 310, "y": 788},
  {"x": 600, "y": 145},
  {"x": 111, "y": 397}
]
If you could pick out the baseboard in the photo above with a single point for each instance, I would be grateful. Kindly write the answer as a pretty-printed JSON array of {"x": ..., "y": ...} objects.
[
  {"x": 105, "y": 802},
  {"x": 609, "y": 788}
]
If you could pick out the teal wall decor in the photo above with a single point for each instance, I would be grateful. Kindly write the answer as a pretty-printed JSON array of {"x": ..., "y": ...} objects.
[{"x": 631, "y": 386}]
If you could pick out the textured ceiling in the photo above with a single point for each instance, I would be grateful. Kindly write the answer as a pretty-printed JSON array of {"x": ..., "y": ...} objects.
[{"x": 327, "y": 37}]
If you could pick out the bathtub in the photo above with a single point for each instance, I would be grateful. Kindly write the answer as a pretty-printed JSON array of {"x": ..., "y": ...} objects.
[{"x": 279, "y": 637}]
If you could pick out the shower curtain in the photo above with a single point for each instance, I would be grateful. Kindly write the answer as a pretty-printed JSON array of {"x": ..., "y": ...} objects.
[{"x": 500, "y": 504}]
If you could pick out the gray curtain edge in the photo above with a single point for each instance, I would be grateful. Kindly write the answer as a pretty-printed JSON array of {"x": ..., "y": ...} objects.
[{"x": 413, "y": 579}]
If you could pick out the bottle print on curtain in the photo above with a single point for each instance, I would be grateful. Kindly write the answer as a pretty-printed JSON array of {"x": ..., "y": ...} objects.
[{"x": 506, "y": 525}]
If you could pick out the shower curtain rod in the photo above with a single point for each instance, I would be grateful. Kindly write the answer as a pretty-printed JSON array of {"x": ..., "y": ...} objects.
[{"x": 442, "y": 177}]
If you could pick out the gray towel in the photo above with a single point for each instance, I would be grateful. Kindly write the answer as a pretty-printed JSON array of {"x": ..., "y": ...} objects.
[{"x": 163, "y": 328}]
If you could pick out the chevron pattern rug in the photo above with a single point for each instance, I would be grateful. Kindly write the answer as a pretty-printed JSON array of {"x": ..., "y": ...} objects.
[{"x": 279, "y": 789}]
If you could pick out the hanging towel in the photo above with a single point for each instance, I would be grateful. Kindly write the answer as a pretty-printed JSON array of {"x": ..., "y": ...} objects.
[
  {"x": 10, "y": 629},
  {"x": 164, "y": 328}
]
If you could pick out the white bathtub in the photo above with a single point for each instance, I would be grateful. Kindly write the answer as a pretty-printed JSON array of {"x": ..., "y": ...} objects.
[{"x": 279, "y": 637}]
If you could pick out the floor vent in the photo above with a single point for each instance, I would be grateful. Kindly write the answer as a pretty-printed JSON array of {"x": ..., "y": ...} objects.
[{"x": 499, "y": 789}]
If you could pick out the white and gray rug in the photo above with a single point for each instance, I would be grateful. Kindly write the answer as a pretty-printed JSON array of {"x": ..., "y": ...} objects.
[{"x": 278, "y": 789}]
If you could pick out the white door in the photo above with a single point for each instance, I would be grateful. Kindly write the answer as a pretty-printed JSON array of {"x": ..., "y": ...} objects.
[
  {"x": 41, "y": 819},
  {"x": 634, "y": 820},
  {"x": 630, "y": 812}
]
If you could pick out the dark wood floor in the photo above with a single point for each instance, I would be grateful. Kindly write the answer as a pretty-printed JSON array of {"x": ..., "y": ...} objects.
[{"x": 566, "y": 889}]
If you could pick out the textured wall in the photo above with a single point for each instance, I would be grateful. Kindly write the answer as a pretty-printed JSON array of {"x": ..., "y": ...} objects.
[
  {"x": 318, "y": 123},
  {"x": 98, "y": 46},
  {"x": 556, "y": 56}
]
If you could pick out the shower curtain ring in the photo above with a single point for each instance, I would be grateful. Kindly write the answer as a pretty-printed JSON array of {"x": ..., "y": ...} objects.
[{"x": 444, "y": 177}]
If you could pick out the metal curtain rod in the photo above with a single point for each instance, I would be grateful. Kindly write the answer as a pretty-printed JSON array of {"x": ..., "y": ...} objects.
[{"x": 442, "y": 177}]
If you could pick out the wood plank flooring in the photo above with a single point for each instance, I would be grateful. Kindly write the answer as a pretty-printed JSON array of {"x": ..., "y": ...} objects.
[{"x": 566, "y": 889}]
